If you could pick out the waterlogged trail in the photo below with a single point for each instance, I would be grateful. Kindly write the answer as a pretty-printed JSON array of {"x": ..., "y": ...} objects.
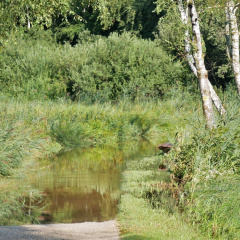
[
  {"x": 75, "y": 231},
  {"x": 84, "y": 185},
  {"x": 82, "y": 197}
]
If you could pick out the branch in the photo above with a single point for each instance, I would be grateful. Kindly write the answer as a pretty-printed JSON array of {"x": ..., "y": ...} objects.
[
  {"x": 236, "y": 8},
  {"x": 207, "y": 8}
]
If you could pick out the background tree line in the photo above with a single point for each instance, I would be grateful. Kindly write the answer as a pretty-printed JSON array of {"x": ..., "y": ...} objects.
[
  {"x": 201, "y": 36},
  {"x": 148, "y": 19}
]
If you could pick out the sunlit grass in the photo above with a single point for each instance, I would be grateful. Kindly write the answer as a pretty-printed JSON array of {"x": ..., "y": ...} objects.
[{"x": 138, "y": 220}]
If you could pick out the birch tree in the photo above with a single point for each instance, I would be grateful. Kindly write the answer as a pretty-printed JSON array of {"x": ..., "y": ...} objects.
[
  {"x": 189, "y": 57},
  {"x": 200, "y": 66},
  {"x": 232, "y": 40}
]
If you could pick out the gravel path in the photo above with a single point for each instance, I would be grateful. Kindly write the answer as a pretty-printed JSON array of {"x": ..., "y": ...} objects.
[{"x": 74, "y": 231}]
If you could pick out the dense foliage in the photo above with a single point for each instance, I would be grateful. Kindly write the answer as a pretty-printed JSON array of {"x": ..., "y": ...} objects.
[{"x": 99, "y": 69}]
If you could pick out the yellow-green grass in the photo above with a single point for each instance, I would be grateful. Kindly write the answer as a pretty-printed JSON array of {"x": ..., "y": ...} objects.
[{"x": 138, "y": 220}]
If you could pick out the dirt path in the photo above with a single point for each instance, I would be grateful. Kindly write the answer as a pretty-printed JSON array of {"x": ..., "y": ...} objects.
[{"x": 75, "y": 231}]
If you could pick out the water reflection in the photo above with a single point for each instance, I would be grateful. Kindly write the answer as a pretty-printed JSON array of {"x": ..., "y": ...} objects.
[{"x": 83, "y": 185}]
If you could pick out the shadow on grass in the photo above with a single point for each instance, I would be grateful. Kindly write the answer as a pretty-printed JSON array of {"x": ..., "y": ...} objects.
[{"x": 137, "y": 237}]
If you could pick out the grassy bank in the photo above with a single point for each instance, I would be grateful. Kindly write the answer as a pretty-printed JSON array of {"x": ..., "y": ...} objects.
[
  {"x": 202, "y": 190},
  {"x": 150, "y": 207},
  {"x": 139, "y": 218}
]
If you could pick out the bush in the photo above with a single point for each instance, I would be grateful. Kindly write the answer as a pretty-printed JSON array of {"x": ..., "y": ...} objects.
[
  {"x": 123, "y": 65},
  {"x": 69, "y": 34},
  {"x": 206, "y": 151},
  {"x": 95, "y": 69},
  {"x": 32, "y": 69}
]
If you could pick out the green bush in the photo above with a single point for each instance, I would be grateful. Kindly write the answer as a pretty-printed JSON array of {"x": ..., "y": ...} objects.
[
  {"x": 95, "y": 69},
  {"x": 123, "y": 65},
  {"x": 207, "y": 150},
  {"x": 32, "y": 69},
  {"x": 69, "y": 33}
]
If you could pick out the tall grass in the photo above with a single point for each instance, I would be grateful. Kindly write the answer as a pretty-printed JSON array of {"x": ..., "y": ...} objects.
[{"x": 204, "y": 167}]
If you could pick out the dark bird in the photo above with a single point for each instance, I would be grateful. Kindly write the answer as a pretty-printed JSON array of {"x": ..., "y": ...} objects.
[{"x": 165, "y": 147}]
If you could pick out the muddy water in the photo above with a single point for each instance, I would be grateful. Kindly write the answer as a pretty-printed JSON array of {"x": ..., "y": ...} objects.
[{"x": 83, "y": 185}]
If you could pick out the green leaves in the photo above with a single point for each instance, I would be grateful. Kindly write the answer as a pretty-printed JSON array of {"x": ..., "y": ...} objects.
[
  {"x": 123, "y": 66},
  {"x": 99, "y": 69},
  {"x": 163, "y": 5},
  {"x": 28, "y": 13}
]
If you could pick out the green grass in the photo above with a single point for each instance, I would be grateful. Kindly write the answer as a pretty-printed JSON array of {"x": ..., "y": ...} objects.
[
  {"x": 215, "y": 206},
  {"x": 138, "y": 218}
]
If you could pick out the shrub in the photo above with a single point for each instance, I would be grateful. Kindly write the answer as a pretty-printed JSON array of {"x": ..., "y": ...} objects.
[
  {"x": 122, "y": 65},
  {"x": 69, "y": 33},
  {"x": 97, "y": 68}
]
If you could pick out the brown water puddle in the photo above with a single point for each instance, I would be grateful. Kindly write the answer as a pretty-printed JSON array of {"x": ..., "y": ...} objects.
[{"x": 83, "y": 185}]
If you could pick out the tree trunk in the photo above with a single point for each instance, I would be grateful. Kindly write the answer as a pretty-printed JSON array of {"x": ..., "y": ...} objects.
[
  {"x": 187, "y": 47},
  {"x": 227, "y": 34},
  {"x": 200, "y": 66},
  {"x": 184, "y": 17},
  {"x": 235, "y": 42},
  {"x": 28, "y": 20}
]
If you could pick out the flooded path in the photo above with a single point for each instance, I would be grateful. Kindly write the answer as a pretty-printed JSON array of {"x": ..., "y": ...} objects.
[{"x": 84, "y": 185}]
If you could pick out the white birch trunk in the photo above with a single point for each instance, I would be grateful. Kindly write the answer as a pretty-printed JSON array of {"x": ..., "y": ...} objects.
[
  {"x": 191, "y": 62},
  {"x": 200, "y": 66},
  {"x": 235, "y": 42},
  {"x": 227, "y": 34},
  {"x": 187, "y": 47},
  {"x": 28, "y": 20},
  {"x": 28, "y": 24}
]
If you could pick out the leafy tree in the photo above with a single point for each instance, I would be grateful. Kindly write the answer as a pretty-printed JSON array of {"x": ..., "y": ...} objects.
[
  {"x": 121, "y": 15},
  {"x": 28, "y": 13}
]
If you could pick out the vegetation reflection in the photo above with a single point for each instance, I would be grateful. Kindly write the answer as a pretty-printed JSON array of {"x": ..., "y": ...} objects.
[{"x": 83, "y": 185}]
